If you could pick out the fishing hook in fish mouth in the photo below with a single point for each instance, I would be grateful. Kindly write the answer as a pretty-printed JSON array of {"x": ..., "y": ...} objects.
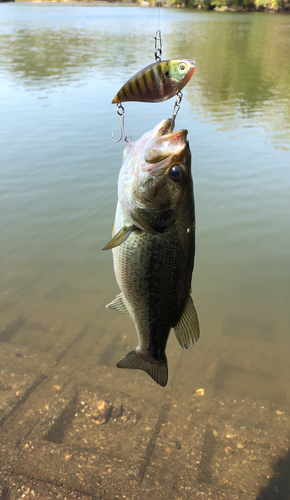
[
  {"x": 121, "y": 113},
  {"x": 176, "y": 108}
]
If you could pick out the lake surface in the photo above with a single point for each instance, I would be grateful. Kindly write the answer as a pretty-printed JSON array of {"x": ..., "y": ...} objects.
[{"x": 61, "y": 65}]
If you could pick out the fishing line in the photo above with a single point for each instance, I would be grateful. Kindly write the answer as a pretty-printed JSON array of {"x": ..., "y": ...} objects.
[
  {"x": 158, "y": 37},
  {"x": 158, "y": 4},
  {"x": 158, "y": 54}
]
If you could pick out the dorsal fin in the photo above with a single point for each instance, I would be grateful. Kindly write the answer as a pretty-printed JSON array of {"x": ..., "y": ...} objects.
[
  {"x": 118, "y": 304},
  {"x": 187, "y": 328}
]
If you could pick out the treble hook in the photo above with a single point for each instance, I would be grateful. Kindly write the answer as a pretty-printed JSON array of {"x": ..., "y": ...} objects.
[
  {"x": 121, "y": 113},
  {"x": 176, "y": 108}
]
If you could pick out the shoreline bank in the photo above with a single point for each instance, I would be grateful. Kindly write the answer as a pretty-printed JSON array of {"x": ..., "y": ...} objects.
[{"x": 145, "y": 4}]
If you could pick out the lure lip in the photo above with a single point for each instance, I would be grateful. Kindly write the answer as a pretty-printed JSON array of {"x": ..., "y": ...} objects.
[{"x": 193, "y": 65}]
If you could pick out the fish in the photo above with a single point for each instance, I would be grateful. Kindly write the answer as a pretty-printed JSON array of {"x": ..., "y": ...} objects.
[
  {"x": 157, "y": 82},
  {"x": 153, "y": 247}
]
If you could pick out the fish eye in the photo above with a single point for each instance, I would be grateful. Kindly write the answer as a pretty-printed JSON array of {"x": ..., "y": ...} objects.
[
  {"x": 182, "y": 66},
  {"x": 176, "y": 173}
]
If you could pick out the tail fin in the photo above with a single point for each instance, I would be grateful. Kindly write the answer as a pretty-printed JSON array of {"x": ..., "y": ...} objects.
[{"x": 157, "y": 370}]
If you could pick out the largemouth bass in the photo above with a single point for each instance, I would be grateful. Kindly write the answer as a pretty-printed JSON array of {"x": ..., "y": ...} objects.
[
  {"x": 157, "y": 82},
  {"x": 153, "y": 246}
]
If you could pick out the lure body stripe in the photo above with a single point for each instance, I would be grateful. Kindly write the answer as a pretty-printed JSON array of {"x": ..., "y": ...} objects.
[
  {"x": 138, "y": 86},
  {"x": 159, "y": 70},
  {"x": 130, "y": 88},
  {"x": 157, "y": 82},
  {"x": 125, "y": 95},
  {"x": 145, "y": 81},
  {"x": 153, "y": 78}
]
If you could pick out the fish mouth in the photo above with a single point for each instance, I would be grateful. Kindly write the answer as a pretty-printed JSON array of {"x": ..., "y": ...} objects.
[
  {"x": 165, "y": 147},
  {"x": 164, "y": 127}
]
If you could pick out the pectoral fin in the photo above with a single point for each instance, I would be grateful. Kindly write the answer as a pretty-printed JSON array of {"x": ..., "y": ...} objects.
[
  {"x": 187, "y": 328},
  {"x": 118, "y": 304},
  {"x": 119, "y": 238}
]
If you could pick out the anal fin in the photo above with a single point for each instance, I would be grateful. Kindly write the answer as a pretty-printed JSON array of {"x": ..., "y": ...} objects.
[
  {"x": 118, "y": 304},
  {"x": 187, "y": 328}
]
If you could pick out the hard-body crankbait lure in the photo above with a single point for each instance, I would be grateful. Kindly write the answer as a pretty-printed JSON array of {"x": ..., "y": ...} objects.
[{"x": 157, "y": 82}]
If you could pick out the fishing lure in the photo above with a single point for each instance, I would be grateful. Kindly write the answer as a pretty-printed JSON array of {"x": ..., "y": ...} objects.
[{"x": 157, "y": 82}]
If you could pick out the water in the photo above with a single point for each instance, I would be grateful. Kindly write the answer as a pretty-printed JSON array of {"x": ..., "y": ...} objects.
[{"x": 61, "y": 65}]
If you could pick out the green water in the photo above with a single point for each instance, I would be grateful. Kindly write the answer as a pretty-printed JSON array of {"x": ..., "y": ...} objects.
[{"x": 60, "y": 67}]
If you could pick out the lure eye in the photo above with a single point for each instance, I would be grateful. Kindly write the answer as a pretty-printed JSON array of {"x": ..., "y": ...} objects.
[
  {"x": 182, "y": 66},
  {"x": 176, "y": 173}
]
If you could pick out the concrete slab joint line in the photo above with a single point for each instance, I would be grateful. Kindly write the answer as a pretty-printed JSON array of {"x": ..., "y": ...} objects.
[
  {"x": 205, "y": 468},
  {"x": 5, "y": 495},
  {"x": 30, "y": 389},
  {"x": 151, "y": 444},
  {"x": 107, "y": 354},
  {"x": 78, "y": 337},
  {"x": 57, "y": 431},
  {"x": 11, "y": 330}
]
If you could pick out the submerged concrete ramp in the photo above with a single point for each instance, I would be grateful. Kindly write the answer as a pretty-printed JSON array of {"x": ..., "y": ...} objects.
[{"x": 73, "y": 426}]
